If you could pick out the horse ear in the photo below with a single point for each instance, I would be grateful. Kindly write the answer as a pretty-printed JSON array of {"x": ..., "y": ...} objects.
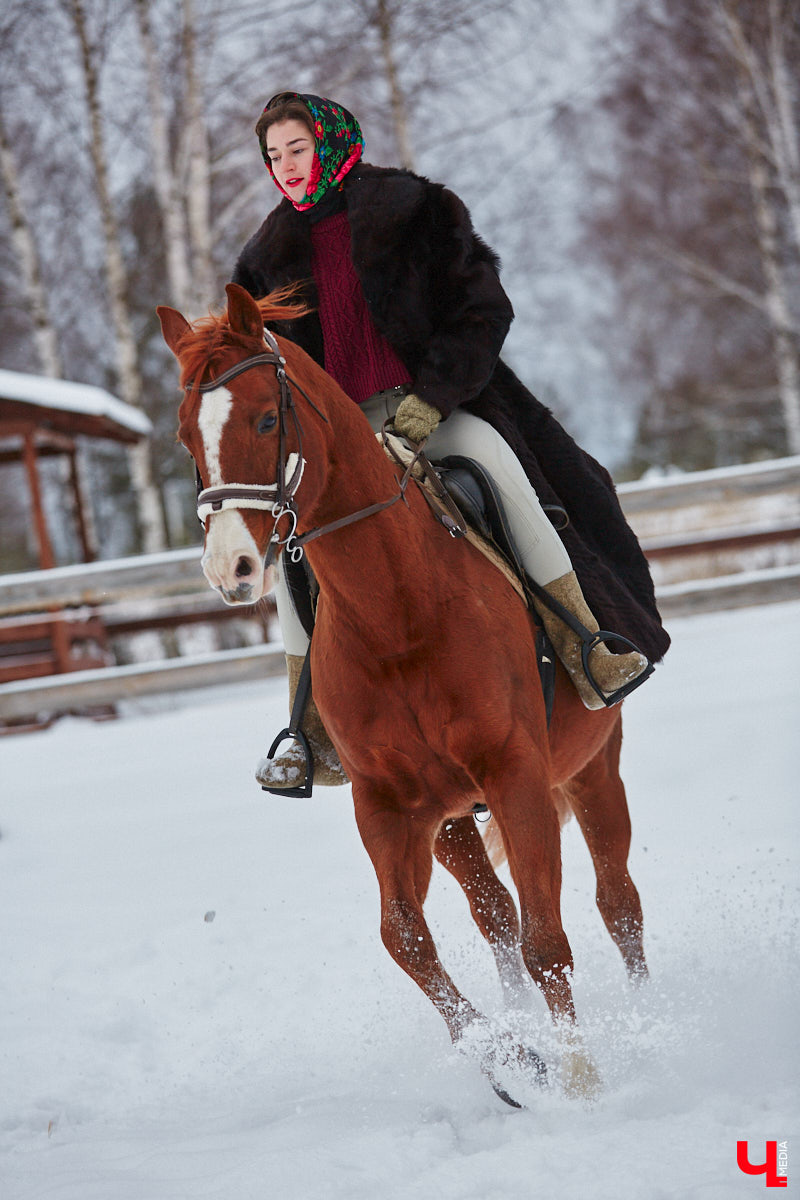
[
  {"x": 244, "y": 314},
  {"x": 173, "y": 326}
]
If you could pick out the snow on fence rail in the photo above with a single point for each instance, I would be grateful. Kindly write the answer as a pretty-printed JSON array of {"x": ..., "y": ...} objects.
[
  {"x": 716, "y": 539},
  {"x": 717, "y": 523},
  {"x": 35, "y": 700},
  {"x": 170, "y": 573},
  {"x": 737, "y": 508},
  {"x": 43, "y": 612}
]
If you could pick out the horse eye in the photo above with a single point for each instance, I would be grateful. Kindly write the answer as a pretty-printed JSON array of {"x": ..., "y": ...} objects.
[{"x": 267, "y": 422}]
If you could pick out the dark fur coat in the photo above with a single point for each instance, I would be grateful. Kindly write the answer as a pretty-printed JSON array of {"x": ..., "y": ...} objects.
[{"x": 433, "y": 290}]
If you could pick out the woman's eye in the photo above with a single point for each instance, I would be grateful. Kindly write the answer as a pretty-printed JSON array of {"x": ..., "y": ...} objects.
[{"x": 267, "y": 422}]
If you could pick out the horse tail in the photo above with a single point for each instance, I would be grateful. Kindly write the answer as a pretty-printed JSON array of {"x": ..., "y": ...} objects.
[{"x": 493, "y": 837}]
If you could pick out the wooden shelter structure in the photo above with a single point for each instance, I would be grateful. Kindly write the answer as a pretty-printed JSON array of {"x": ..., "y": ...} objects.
[
  {"x": 42, "y": 417},
  {"x": 39, "y": 418}
]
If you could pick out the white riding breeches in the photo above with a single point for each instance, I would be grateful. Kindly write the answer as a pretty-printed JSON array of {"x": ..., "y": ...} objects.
[{"x": 540, "y": 548}]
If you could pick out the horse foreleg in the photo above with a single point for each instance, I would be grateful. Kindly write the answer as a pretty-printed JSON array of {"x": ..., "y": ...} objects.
[
  {"x": 597, "y": 797},
  {"x": 459, "y": 848},
  {"x": 400, "y": 845}
]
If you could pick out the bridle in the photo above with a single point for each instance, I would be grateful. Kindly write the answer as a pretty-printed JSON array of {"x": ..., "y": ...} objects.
[{"x": 278, "y": 498}]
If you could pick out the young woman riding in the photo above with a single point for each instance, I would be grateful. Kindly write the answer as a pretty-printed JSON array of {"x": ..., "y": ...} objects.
[{"x": 409, "y": 318}]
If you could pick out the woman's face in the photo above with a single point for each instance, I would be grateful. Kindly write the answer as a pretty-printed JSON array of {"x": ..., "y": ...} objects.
[{"x": 291, "y": 146}]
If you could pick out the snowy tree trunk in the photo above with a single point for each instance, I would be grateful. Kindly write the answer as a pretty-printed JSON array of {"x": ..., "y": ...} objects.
[
  {"x": 165, "y": 180},
  {"x": 24, "y": 243},
  {"x": 786, "y": 134},
  {"x": 770, "y": 84},
  {"x": 199, "y": 169},
  {"x": 776, "y": 297},
  {"x": 129, "y": 380},
  {"x": 396, "y": 95}
]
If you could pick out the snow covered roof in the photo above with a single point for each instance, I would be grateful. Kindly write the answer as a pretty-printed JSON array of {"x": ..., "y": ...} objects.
[{"x": 69, "y": 407}]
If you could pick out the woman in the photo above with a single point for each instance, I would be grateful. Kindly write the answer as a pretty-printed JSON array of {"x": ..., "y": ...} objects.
[{"x": 409, "y": 318}]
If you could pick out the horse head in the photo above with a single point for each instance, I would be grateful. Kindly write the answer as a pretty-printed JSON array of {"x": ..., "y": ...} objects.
[{"x": 238, "y": 421}]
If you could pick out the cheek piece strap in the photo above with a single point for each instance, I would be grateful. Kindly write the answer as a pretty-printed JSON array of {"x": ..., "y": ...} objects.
[{"x": 278, "y": 497}]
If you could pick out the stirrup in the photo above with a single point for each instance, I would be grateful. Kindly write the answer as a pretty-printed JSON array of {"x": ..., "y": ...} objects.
[
  {"x": 293, "y": 732},
  {"x": 294, "y": 735},
  {"x": 600, "y": 639}
]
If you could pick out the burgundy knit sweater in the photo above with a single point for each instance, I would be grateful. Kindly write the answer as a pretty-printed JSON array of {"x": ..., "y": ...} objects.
[{"x": 357, "y": 356}]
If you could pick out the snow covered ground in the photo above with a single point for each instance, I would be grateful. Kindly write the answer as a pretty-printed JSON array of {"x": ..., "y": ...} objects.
[{"x": 196, "y": 1003}]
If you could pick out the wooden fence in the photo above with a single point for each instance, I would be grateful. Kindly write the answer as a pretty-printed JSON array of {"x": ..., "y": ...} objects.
[{"x": 715, "y": 539}]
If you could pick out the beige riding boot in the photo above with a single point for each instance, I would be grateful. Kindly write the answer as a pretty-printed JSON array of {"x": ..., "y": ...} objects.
[
  {"x": 613, "y": 673},
  {"x": 288, "y": 770}
]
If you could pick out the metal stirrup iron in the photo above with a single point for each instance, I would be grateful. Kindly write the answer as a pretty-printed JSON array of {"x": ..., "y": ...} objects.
[
  {"x": 589, "y": 642},
  {"x": 293, "y": 732}
]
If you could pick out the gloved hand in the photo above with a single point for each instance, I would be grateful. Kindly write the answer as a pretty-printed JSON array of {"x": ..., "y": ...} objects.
[{"x": 415, "y": 419}]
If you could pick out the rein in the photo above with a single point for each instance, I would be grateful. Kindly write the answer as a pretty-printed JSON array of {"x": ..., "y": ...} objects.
[{"x": 278, "y": 497}]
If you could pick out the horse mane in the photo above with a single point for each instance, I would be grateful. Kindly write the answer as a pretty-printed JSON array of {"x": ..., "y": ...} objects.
[{"x": 202, "y": 345}]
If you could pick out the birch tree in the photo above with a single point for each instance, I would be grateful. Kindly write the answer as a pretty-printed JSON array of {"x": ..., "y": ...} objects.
[
  {"x": 165, "y": 178},
  {"x": 129, "y": 379},
  {"x": 701, "y": 221},
  {"x": 198, "y": 159},
  {"x": 776, "y": 287},
  {"x": 24, "y": 242},
  {"x": 756, "y": 39}
]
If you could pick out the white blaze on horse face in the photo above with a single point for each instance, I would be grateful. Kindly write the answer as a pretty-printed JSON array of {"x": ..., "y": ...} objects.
[
  {"x": 231, "y": 560},
  {"x": 215, "y": 408}
]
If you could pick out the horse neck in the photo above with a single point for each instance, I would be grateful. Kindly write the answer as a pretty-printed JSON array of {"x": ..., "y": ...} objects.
[{"x": 357, "y": 474}]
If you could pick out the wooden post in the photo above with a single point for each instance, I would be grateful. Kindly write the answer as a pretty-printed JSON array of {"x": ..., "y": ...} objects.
[
  {"x": 46, "y": 557},
  {"x": 82, "y": 515}
]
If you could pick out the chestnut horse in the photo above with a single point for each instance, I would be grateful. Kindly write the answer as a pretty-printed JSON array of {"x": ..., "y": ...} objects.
[{"x": 424, "y": 668}]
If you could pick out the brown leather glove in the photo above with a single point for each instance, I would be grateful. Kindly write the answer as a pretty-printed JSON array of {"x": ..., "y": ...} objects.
[{"x": 415, "y": 419}]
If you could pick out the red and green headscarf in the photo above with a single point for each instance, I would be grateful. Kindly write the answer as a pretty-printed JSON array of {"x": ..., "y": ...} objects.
[{"x": 340, "y": 144}]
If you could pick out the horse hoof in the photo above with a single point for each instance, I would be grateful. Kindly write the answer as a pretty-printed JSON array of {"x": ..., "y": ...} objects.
[
  {"x": 580, "y": 1078},
  {"x": 504, "y": 1096},
  {"x": 530, "y": 1064},
  {"x": 507, "y": 1064}
]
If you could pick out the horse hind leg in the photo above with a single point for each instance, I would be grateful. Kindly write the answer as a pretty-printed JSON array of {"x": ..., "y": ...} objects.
[
  {"x": 597, "y": 797},
  {"x": 523, "y": 807},
  {"x": 460, "y": 848},
  {"x": 527, "y": 812}
]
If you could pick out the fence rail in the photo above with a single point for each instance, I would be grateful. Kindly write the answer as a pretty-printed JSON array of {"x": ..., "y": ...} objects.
[
  {"x": 174, "y": 572},
  {"x": 715, "y": 540},
  {"x": 38, "y": 699}
]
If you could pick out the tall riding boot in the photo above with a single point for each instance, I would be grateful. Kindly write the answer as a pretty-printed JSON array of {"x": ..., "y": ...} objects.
[
  {"x": 289, "y": 769},
  {"x": 614, "y": 674}
]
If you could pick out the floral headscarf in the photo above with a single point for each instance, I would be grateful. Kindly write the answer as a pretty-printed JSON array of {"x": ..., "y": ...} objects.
[{"x": 340, "y": 144}]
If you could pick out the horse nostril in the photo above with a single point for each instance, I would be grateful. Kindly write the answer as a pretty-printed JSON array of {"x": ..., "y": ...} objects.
[{"x": 244, "y": 567}]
